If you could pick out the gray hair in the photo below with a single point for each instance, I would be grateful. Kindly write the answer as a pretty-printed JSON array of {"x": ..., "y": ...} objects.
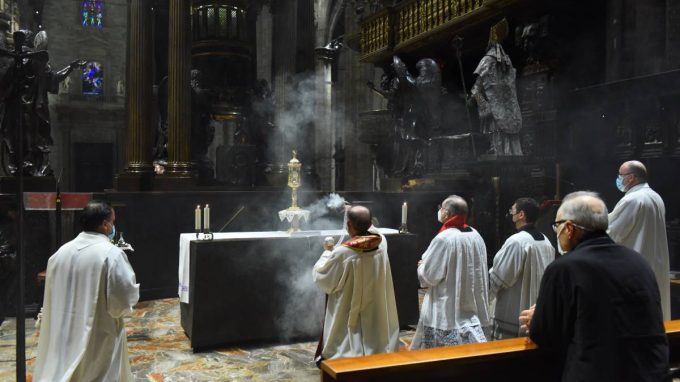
[
  {"x": 586, "y": 209},
  {"x": 455, "y": 205}
]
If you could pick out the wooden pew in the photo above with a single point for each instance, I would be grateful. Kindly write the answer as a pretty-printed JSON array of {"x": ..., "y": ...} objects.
[{"x": 512, "y": 359}]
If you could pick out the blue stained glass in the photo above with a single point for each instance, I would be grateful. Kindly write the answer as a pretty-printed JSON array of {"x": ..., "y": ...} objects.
[
  {"x": 93, "y": 13},
  {"x": 93, "y": 78}
]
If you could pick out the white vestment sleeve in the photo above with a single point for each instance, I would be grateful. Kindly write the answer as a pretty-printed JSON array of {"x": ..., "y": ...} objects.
[
  {"x": 122, "y": 290},
  {"x": 328, "y": 271},
  {"x": 622, "y": 220},
  {"x": 432, "y": 270},
  {"x": 507, "y": 266}
]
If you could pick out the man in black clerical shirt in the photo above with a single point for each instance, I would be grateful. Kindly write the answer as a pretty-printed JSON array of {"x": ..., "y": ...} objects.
[{"x": 598, "y": 309}]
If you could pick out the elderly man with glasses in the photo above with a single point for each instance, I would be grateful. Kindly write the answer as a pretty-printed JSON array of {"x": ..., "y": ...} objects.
[
  {"x": 598, "y": 311},
  {"x": 638, "y": 221}
]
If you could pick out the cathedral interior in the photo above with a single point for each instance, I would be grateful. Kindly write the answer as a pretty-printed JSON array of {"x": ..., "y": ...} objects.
[{"x": 159, "y": 106}]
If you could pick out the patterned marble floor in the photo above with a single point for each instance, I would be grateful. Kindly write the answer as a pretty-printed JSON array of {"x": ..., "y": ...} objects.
[{"x": 159, "y": 351}]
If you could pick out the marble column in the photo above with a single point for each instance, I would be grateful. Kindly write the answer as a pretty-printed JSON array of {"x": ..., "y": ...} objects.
[
  {"x": 139, "y": 95},
  {"x": 179, "y": 91}
]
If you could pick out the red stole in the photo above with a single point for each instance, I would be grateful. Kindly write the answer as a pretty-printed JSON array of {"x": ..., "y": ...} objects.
[{"x": 456, "y": 221}]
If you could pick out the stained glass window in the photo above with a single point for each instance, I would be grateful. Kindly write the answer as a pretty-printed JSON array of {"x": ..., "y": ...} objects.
[
  {"x": 93, "y": 78},
  {"x": 92, "y": 13}
]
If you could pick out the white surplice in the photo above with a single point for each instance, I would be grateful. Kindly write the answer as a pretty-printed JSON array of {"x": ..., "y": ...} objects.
[
  {"x": 361, "y": 313},
  {"x": 454, "y": 270},
  {"x": 516, "y": 277},
  {"x": 638, "y": 221},
  {"x": 89, "y": 286}
]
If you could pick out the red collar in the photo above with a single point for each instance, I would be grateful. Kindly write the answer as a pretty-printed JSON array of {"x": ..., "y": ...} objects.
[{"x": 456, "y": 221}]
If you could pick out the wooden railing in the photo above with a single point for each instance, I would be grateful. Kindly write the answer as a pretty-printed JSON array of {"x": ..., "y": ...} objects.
[
  {"x": 421, "y": 16},
  {"x": 512, "y": 359},
  {"x": 375, "y": 34},
  {"x": 409, "y": 21}
]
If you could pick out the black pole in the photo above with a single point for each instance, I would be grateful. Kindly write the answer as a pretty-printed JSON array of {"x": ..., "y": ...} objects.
[
  {"x": 21, "y": 321},
  {"x": 458, "y": 45},
  {"x": 58, "y": 214}
]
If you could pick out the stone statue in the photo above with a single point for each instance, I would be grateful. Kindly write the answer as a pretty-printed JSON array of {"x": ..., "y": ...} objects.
[
  {"x": 415, "y": 104},
  {"x": 430, "y": 92},
  {"x": 496, "y": 96},
  {"x": 25, "y": 103}
]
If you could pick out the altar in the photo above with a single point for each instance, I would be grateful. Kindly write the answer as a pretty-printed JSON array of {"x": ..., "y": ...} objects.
[{"x": 257, "y": 287}]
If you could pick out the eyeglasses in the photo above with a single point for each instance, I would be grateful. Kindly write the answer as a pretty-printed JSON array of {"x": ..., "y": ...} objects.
[
  {"x": 513, "y": 213},
  {"x": 558, "y": 222},
  {"x": 626, "y": 174}
]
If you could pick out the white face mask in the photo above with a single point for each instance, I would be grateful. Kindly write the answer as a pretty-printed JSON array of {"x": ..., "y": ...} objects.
[
  {"x": 559, "y": 246},
  {"x": 440, "y": 217}
]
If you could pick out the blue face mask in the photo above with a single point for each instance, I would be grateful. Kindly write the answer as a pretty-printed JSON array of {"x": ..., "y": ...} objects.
[
  {"x": 113, "y": 232},
  {"x": 619, "y": 184}
]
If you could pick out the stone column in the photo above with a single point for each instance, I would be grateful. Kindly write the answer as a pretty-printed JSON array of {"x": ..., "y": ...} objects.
[
  {"x": 179, "y": 91},
  {"x": 139, "y": 118},
  {"x": 324, "y": 134}
]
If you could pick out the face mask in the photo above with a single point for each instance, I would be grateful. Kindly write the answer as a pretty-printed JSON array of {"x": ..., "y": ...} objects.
[
  {"x": 619, "y": 184},
  {"x": 440, "y": 218},
  {"x": 559, "y": 246},
  {"x": 113, "y": 232}
]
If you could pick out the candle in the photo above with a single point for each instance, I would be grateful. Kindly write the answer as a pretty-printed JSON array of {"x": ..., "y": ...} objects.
[
  {"x": 206, "y": 218},
  {"x": 197, "y": 218},
  {"x": 404, "y": 212}
]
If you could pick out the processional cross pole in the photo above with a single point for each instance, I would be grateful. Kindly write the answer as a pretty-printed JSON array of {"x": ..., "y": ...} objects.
[{"x": 457, "y": 44}]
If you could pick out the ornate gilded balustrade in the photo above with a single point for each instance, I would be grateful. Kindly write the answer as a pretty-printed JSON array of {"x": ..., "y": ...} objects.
[
  {"x": 375, "y": 34},
  {"x": 391, "y": 30}
]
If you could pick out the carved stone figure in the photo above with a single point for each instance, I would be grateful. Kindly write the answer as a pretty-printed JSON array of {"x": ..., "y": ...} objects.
[
  {"x": 24, "y": 96},
  {"x": 415, "y": 105},
  {"x": 496, "y": 96}
]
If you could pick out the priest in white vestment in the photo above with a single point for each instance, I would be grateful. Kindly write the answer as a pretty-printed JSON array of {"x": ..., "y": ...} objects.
[
  {"x": 517, "y": 269},
  {"x": 361, "y": 312},
  {"x": 638, "y": 221},
  {"x": 455, "y": 308},
  {"x": 89, "y": 286}
]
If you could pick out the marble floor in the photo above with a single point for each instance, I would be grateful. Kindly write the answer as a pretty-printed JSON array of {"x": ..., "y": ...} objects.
[{"x": 159, "y": 352}]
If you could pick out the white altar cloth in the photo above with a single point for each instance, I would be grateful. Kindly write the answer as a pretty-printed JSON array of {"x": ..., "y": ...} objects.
[{"x": 186, "y": 238}]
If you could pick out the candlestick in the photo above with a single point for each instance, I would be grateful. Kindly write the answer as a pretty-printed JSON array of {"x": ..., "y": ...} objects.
[
  {"x": 206, "y": 218},
  {"x": 197, "y": 219},
  {"x": 404, "y": 213}
]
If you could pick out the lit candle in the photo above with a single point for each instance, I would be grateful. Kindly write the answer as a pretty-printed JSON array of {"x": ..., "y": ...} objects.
[
  {"x": 197, "y": 218},
  {"x": 206, "y": 218},
  {"x": 404, "y": 212}
]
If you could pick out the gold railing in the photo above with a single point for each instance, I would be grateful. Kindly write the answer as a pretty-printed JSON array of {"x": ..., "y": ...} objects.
[
  {"x": 420, "y": 16},
  {"x": 390, "y": 29},
  {"x": 375, "y": 33}
]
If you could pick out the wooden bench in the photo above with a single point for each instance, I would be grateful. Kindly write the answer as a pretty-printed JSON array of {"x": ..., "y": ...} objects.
[{"x": 512, "y": 359}]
